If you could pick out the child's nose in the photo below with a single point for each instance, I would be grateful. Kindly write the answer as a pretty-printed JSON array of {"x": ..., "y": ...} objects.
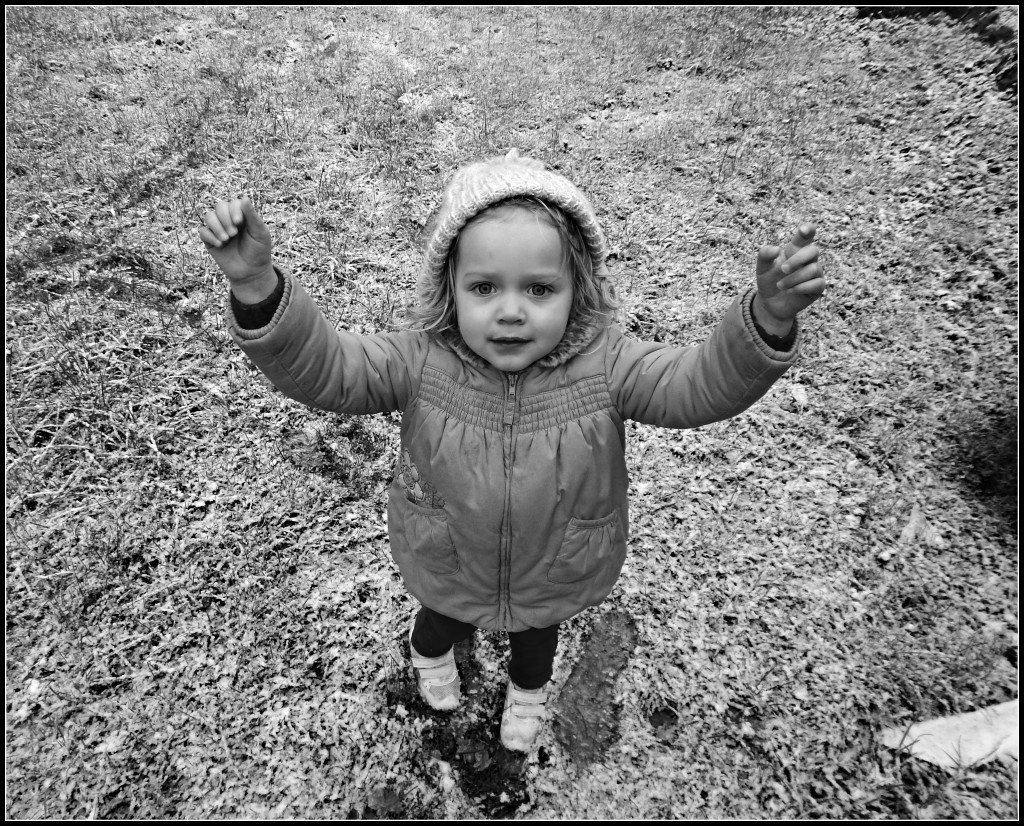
[{"x": 511, "y": 310}]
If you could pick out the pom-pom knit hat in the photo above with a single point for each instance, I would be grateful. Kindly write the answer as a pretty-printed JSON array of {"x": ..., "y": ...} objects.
[{"x": 480, "y": 185}]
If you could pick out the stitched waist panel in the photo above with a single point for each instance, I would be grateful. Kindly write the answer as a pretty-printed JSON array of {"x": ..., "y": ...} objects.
[
  {"x": 536, "y": 412},
  {"x": 566, "y": 404},
  {"x": 473, "y": 407}
]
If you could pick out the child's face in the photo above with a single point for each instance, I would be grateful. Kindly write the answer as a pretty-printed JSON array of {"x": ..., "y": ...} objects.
[{"x": 513, "y": 293}]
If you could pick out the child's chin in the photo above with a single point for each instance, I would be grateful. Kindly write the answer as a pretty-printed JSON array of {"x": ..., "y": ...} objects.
[{"x": 509, "y": 365}]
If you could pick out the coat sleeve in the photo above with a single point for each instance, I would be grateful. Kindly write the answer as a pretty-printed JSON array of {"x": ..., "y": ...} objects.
[
  {"x": 685, "y": 387},
  {"x": 310, "y": 361}
]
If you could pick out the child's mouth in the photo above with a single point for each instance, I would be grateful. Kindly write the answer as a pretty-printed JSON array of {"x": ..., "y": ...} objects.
[{"x": 509, "y": 342}]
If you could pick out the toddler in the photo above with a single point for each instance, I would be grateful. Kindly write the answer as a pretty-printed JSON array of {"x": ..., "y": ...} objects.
[{"x": 508, "y": 507}]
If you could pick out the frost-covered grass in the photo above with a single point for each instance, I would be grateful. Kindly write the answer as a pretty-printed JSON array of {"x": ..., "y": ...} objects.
[{"x": 203, "y": 619}]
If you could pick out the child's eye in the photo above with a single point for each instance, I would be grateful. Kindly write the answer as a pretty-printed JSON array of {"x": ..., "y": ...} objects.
[
  {"x": 483, "y": 289},
  {"x": 539, "y": 290}
]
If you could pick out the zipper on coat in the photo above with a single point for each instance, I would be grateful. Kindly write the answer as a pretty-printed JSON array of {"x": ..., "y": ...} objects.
[{"x": 509, "y": 440}]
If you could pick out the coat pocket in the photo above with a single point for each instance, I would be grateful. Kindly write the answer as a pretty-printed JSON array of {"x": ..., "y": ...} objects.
[
  {"x": 590, "y": 546},
  {"x": 421, "y": 538}
]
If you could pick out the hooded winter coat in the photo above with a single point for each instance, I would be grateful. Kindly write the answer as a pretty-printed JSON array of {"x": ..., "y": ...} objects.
[{"x": 509, "y": 509}]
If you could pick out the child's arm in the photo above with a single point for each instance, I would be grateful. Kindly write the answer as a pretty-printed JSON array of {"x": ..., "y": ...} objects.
[
  {"x": 283, "y": 332},
  {"x": 789, "y": 280},
  {"x": 238, "y": 240},
  {"x": 693, "y": 386}
]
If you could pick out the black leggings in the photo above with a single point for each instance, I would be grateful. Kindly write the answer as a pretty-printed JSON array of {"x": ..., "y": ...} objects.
[{"x": 533, "y": 650}]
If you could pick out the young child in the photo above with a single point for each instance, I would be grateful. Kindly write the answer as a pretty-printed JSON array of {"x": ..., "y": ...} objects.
[{"x": 508, "y": 508}]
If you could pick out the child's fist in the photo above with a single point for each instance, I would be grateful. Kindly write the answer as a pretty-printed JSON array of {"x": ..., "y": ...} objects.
[
  {"x": 789, "y": 280},
  {"x": 236, "y": 237}
]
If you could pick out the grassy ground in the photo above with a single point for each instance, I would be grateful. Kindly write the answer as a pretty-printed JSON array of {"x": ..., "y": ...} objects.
[{"x": 203, "y": 620}]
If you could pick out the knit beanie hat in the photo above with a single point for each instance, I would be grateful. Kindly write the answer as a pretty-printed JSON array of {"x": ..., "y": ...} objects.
[
  {"x": 477, "y": 186},
  {"x": 480, "y": 185}
]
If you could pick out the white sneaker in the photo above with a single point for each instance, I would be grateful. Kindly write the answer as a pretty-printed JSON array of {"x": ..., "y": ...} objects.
[
  {"x": 437, "y": 678},
  {"x": 520, "y": 721}
]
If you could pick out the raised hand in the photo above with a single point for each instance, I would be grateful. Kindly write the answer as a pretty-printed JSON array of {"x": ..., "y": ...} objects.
[
  {"x": 789, "y": 280},
  {"x": 236, "y": 237}
]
